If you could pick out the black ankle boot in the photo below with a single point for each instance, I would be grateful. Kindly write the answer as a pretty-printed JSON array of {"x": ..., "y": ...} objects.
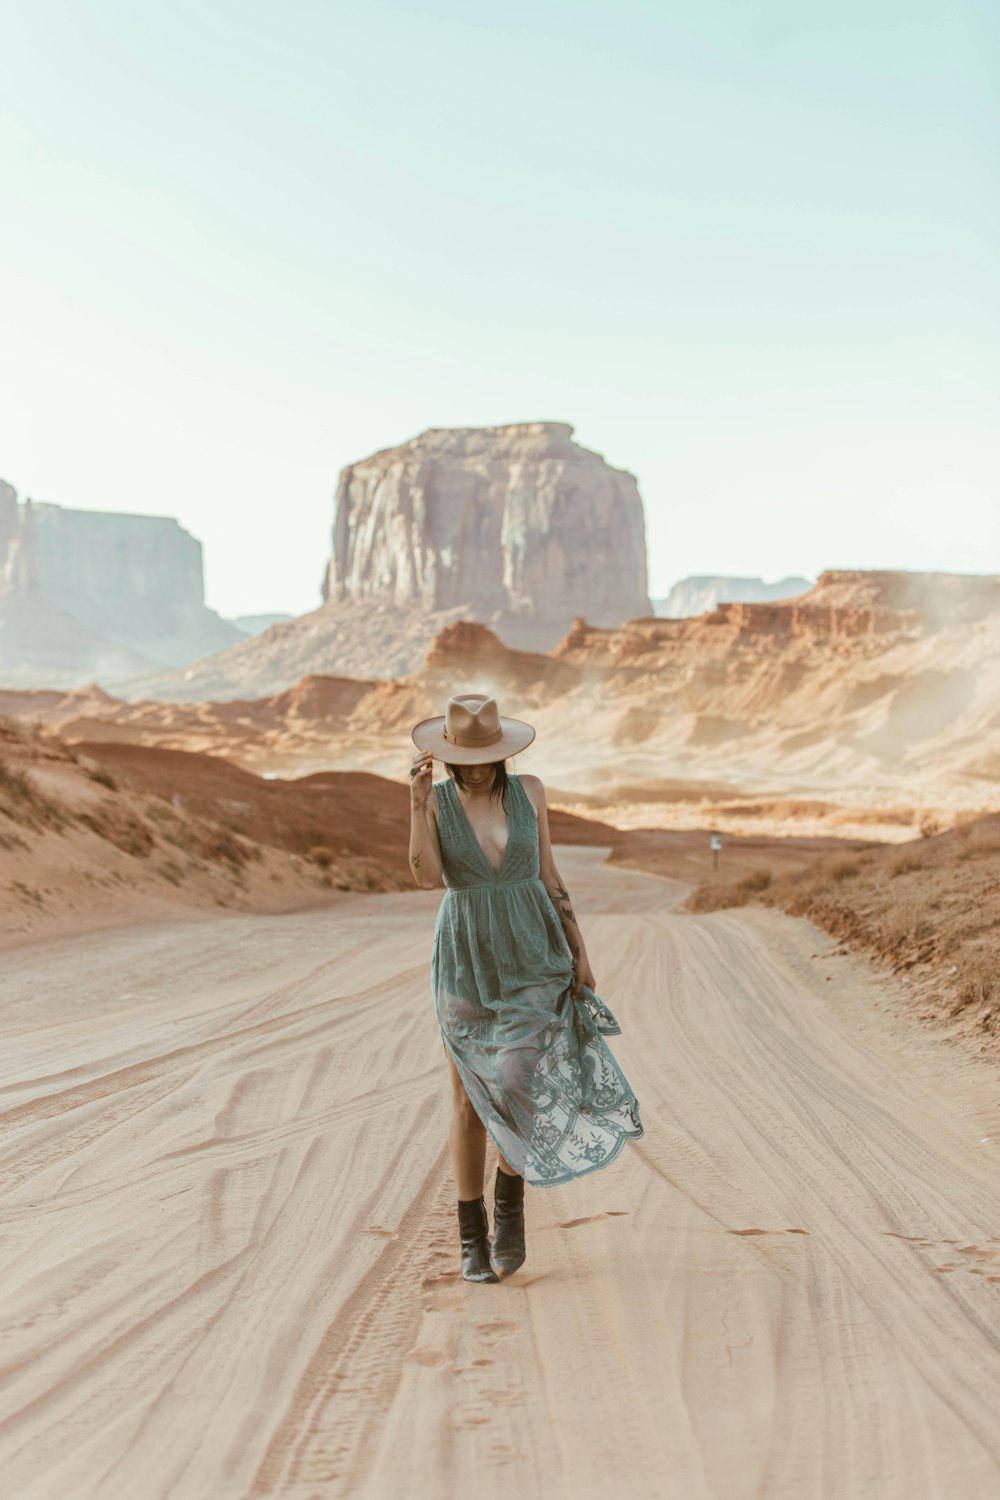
[
  {"x": 507, "y": 1251},
  {"x": 475, "y": 1246}
]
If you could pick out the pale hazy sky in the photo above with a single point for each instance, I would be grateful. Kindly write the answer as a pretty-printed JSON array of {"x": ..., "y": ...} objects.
[{"x": 749, "y": 248}]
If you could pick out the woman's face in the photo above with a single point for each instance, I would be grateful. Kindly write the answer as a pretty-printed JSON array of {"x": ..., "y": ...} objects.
[{"x": 480, "y": 777}]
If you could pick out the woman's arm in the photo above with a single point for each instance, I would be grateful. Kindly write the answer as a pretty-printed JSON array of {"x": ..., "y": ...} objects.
[
  {"x": 425, "y": 847},
  {"x": 553, "y": 882}
]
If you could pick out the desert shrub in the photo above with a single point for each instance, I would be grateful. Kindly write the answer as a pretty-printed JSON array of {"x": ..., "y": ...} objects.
[
  {"x": 903, "y": 925},
  {"x": 122, "y": 829},
  {"x": 23, "y": 800},
  {"x": 16, "y": 785},
  {"x": 715, "y": 895},
  {"x": 977, "y": 983},
  {"x": 175, "y": 832},
  {"x": 212, "y": 842},
  {"x": 844, "y": 869},
  {"x": 929, "y": 826},
  {"x": 905, "y": 865},
  {"x": 103, "y": 777},
  {"x": 161, "y": 812},
  {"x": 322, "y": 856},
  {"x": 27, "y": 892},
  {"x": 228, "y": 820},
  {"x": 984, "y": 835}
]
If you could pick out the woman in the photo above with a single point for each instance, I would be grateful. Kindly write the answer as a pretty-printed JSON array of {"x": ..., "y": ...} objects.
[{"x": 522, "y": 1027}]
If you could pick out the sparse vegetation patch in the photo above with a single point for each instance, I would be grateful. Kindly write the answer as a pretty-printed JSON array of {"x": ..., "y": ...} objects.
[{"x": 930, "y": 910}]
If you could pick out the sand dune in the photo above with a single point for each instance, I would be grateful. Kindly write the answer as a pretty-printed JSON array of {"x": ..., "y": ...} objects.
[
  {"x": 86, "y": 845},
  {"x": 96, "y": 834},
  {"x": 229, "y": 1269}
]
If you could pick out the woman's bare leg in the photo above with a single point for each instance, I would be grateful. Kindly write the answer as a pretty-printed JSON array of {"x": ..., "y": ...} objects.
[{"x": 466, "y": 1139}]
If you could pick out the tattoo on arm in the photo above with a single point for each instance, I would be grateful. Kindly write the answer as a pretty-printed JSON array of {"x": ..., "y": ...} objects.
[
  {"x": 415, "y": 861},
  {"x": 562, "y": 903}
]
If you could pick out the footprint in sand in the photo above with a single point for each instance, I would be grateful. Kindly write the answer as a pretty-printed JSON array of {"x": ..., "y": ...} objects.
[
  {"x": 493, "y": 1331},
  {"x": 442, "y": 1304},
  {"x": 472, "y": 1419},
  {"x": 443, "y": 1278},
  {"x": 767, "y": 1231},
  {"x": 612, "y": 1213},
  {"x": 979, "y": 1258},
  {"x": 432, "y": 1358},
  {"x": 509, "y": 1397}
]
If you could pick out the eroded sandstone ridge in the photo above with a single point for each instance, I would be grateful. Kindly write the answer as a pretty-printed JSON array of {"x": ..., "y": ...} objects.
[
  {"x": 875, "y": 690},
  {"x": 697, "y": 595},
  {"x": 520, "y": 525}
]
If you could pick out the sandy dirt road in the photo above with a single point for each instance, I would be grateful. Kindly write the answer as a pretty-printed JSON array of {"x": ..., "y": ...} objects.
[{"x": 228, "y": 1257}]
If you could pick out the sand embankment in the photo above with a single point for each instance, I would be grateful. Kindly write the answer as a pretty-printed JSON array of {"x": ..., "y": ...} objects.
[{"x": 229, "y": 1267}]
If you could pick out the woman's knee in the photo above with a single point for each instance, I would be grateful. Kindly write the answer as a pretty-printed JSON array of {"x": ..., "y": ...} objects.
[
  {"x": 462, "y": 1108},
  {"x": 463, "y": 1112}
]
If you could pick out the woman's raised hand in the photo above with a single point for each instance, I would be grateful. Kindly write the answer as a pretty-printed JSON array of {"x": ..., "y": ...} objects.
[{"x": 421, "y": 779}]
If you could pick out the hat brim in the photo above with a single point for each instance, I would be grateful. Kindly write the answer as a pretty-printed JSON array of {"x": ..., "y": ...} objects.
[{"x": 516, "y": 735}]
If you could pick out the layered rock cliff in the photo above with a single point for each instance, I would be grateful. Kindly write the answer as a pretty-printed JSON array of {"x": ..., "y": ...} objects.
[
  {"x": 518, "y": 525},
  {"x": 136, "y": 579},
  {"x": 40, "y": 644},
  {"x": 133, "y": 586}
]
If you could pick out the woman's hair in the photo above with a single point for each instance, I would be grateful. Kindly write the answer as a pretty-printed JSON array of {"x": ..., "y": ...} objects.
[{"x": 499, "y": 787}]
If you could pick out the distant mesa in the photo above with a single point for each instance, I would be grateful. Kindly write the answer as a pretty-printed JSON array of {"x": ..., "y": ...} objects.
[
  {"x": 516, "y": 527},
  {"x": 125, "y": 593},
  {"x": 138, "y": 580},
  {"x": 697, "y": 595},
  {"x": 519, "y": 524}
]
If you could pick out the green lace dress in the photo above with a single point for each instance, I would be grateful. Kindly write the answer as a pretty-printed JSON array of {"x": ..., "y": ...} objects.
[{"x": 533, "y": 1060}]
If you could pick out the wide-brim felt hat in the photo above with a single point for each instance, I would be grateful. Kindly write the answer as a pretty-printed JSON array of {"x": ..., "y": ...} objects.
[{"x": 471, "y": 730}]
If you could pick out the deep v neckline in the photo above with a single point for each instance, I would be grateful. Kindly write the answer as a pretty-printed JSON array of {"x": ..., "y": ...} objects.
[{"x": 472, "y": 832}]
